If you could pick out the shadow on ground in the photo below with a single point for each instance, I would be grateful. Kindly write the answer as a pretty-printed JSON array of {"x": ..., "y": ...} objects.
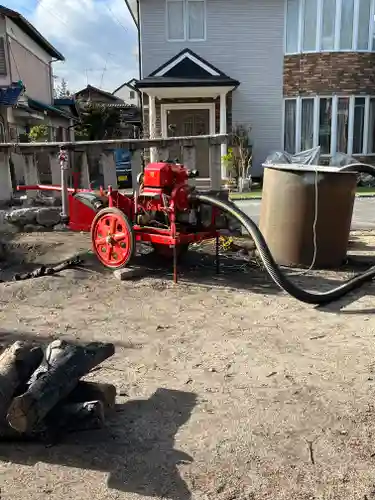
[
  {"x": 197, "y": 268},
  {"x": 136, "y": 448},
  {"x": 356, "y": 243}
]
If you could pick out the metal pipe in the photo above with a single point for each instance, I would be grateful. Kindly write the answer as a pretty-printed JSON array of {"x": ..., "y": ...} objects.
[
  {"x": 50, "y": 187},
  {"x": 64, "y": 166},
  {"x": 274, "y": 271}
]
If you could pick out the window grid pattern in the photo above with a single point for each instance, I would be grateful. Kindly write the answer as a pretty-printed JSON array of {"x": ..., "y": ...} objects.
[
  {"x": 329, "y": 25},
  {"x": 186, "y": 20},
  {"x": 344, "y": 124}
]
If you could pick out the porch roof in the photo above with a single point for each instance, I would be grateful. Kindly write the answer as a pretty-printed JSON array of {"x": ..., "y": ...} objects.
[
  {"x": 187, "y": 70},
  {"x": 32, "y": 105},
  {"x": 162, "y": 81}
]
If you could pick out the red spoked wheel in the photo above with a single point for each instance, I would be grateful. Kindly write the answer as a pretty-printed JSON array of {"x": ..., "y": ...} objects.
[{"x": 112, "y": 238}]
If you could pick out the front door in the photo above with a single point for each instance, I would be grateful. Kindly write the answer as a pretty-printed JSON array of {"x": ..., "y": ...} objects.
[{"x": 188, "y": 122}]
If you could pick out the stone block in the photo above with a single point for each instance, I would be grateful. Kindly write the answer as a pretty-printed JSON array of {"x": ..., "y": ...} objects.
[
  {"x": 128, "y": 273},
  {"x": 48, "y": 216}
]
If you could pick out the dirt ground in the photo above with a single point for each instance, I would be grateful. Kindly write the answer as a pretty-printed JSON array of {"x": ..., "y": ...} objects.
[{"x": 228, "y": 389}]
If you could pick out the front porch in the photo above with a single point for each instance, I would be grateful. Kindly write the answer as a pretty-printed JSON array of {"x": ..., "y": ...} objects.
[{"x": 187, "y": 96}]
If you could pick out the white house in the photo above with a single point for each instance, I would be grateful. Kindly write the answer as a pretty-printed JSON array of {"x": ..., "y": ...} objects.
[
  {"x": 128, "y": 93},
  {"x": 300, "y": 73}
]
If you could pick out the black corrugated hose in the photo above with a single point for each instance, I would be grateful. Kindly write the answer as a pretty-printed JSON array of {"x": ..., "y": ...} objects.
[{"x": 317, "y": 298}]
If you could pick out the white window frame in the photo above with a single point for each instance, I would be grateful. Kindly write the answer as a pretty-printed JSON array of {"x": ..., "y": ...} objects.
[
  {"x": 318, "y": 43},
  {"x": 283, "y": 124},
  {"x": 186, "y": 21},
  {"x": 335, "y": 99}
]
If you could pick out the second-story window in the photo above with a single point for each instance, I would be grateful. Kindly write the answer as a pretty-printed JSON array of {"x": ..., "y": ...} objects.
[
  {"x": 186, "y": 20},
  {"x": 330, "y": 25}
]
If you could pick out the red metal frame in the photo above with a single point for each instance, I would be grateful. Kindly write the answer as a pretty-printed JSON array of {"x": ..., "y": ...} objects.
[{"x": 167, "y": 191}]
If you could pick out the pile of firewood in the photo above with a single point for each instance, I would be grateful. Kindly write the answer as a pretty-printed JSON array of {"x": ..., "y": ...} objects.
[{"x": 42, "y": 396}]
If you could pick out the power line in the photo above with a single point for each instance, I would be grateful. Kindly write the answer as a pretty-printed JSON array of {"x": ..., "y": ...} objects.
[
  {"x": 115, "y": 18},
  {"x": 39, "y": 2}
]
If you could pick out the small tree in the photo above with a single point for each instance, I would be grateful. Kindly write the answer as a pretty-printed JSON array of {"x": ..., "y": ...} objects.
[
  {"x": 62, "y": 90},
  {"x": 38, "y": 133},
  {"x": 238, "y": 158},
  {"x": 98, "y": 122}
]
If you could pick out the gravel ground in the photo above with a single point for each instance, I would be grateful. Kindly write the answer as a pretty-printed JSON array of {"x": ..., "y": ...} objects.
[{"x": 228, "y": 389}]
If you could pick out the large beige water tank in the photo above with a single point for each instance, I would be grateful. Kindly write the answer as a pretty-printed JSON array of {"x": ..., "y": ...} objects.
[{"x": 288, "y": 214}]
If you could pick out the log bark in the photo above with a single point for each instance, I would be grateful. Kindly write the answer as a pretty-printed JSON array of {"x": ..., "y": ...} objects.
[
  {"x": 91, "y": 391},
  {"x": 72, "y": 417},
  {"x": 52, "y": 352},
  {"x": 68, "y": 365},
  {"x": 86, "y": 415},
  {"x": 17, "y": 363}
]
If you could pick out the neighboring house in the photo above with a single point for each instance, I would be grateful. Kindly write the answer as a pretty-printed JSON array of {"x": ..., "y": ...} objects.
[
  {"x": 130, "y": 114},
  {"x": 298, "y": 72},
  {"x": 26, "y": 82},
  {"x": 128, "y": 93},
  {"x": 93, "y": 94}
]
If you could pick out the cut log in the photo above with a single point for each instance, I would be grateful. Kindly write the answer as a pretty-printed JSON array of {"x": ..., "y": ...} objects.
[
  {"x": 52, "y": 352},
  {"x": 67, "y": 366},
  {"x": 86, "y": 415},
  {"x": 17, "y": 363},
  {"x": 73, "y": 417},
  {"x": 91, "y": 391}
]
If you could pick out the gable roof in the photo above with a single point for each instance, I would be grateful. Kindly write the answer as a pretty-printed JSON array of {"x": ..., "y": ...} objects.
[
  {"x": 129, "y": 84},
  {"x": 187, "y": 69},
  {"x": 31, "y": 31},
  {"x": 187, "y": 64},
  {"x": 104, "y": 93},
  {"x": 132, "y": 6}
]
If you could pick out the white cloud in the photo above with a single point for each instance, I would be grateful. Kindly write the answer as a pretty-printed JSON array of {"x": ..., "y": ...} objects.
[{"x": 97, "y": 37}]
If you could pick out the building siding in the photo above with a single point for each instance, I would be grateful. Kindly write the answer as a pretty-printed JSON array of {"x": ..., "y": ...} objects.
[
  {"x": 327, "y": 73},
  {"x": 249, "y": 48},
  {"x": 34, "y": 73}
]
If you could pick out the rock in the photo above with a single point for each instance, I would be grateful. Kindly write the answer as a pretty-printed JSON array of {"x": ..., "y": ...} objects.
[
  {"x": 48, "y": 216},
  {"x": 33, "y": 228},
  {"x": 60, "y": 227},
  {"x": 128, "y": 273},
  {"x": 21, "y": 216}
]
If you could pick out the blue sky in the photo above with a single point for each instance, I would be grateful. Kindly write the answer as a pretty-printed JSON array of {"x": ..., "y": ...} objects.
[{"x": 97, "y": 38}]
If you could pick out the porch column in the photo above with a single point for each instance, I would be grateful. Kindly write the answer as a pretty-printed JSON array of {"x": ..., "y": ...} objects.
[
  {"x": 152, "y": 126},
  {"x": 223, "y": 130}
]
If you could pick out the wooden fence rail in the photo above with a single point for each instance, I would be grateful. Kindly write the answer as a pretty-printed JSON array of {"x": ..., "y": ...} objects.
[{"x": 94, "y": 162}]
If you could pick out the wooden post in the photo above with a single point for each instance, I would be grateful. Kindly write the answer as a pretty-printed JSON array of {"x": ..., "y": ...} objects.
[
  {"x": 6, "y": 189},
  {"x": 188, "y": 157},
  {"x": 84, "y": 170},
  {"x": 136, "y": 166},
  {"x": 55, "y": 170},
  {"x": 109, "y": 169},
  {"x": 19, "y": 168},
  {"x": 163, "y": 154},
  {"x": 31, "y": 173},
  {"x": 215, "y": 167}
]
